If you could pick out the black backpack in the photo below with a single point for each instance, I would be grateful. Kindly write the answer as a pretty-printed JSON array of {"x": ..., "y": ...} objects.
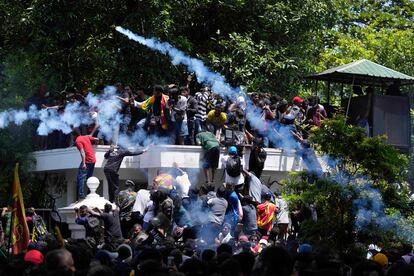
[
  {"x": 233, "y": 166},
  {"x": 94, "y": 224}
]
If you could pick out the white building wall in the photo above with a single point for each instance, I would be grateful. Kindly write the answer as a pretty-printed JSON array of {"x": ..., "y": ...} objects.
[{"x": 143, "y": 168}]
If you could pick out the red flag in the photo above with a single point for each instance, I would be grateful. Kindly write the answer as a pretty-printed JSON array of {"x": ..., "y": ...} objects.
[{"x": 20, "y": 232}]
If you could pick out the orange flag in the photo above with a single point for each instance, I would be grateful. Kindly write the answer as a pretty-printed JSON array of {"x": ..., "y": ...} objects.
[{"x": 19, "y": 232}]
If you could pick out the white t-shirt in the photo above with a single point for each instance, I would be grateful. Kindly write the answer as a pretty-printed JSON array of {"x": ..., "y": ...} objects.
[
  {"x": 241, "y": 102},
  {"x": 181, "y": 105},
  {"x": 282, "y": 215},
  {"x": 224, "y": 239},
  {"x": 141, "y": 201},
  {"x": 150, "y": 214},
  {"x": 183, "y": 184}
]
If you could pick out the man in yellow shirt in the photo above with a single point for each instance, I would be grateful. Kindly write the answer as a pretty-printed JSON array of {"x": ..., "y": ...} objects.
[{"x": 217, "y": 119}]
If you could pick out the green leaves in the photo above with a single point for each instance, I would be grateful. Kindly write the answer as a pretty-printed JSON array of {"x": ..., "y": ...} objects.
[
  {"x": 368, "y": 181},
  {"x": 381, "y": 31},
  {"x": 371, "y": 156}
]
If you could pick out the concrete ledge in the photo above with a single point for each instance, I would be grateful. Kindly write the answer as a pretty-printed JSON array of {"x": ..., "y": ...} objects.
[{"x": 162, "y": 156}]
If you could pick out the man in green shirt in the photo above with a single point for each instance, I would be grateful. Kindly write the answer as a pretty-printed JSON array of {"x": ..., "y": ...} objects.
[{"x": 211, "y": 148}]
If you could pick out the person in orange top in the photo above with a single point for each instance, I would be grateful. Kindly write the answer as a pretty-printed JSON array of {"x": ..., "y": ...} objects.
[{"x": 265, "y": 213}]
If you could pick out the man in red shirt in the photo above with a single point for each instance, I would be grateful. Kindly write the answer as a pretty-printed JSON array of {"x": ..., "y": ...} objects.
[{"x": 84, "y": 145}]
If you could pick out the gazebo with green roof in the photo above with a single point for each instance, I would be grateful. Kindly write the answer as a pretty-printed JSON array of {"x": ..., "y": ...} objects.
[
  {"x": 387, "y": 114},
  {"x": 363, "y": 72}
]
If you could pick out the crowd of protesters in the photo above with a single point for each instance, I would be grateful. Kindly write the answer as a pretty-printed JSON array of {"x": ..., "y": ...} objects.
[
  {"x": 172, "y": 228},
  {"x": 180, "y": 114}
]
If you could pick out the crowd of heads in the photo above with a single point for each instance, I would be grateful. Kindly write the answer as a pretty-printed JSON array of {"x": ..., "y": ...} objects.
[
  {"x": 197, "y": 235},
  {"x": 173, "y": 227}
]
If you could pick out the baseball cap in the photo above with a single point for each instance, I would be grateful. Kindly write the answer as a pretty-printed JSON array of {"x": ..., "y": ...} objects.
[
  {"x": 380, "y": 259},
  {"x": 124, "y": 252},
  {"x": 232, "y": 150},
  {"x": 264, "y": 242},
  {"x": 297, "y": 99},
  {"x": 243, "y": 238},
  {"x": 34, "y": 256},
  {"x": 305, "y": 248}
]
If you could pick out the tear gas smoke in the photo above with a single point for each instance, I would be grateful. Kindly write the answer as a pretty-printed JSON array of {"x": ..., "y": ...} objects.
[
  {"x": 280, "y": 135},
  {"x": 104, "y": 110},
  {"x": 219, "y": 85}
]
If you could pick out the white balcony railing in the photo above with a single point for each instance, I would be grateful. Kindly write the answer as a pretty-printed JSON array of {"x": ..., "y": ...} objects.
[{"x": 162, "y": 156}]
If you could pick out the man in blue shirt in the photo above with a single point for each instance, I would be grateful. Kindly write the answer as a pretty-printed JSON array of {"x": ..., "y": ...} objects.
[{"x": 234, "y": 211}]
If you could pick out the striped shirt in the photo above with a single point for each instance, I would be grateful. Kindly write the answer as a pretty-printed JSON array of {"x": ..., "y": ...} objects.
[{"x": 202, "y": 101}]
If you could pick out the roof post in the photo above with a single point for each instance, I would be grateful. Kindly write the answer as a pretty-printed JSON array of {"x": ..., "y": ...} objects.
[{"x": 328, "y": 92}]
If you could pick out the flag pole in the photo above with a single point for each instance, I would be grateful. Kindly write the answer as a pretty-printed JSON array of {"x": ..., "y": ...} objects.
[{"x": 11, "y": 212}]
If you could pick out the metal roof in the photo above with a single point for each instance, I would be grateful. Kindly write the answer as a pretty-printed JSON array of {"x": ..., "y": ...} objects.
[{"x": 363, "y": 72}]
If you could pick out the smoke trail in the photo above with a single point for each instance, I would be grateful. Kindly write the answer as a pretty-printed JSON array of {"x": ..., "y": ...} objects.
[
  {"x": 219, "y": 85},
  {"x": 280, "y": 136},
  {"x": 216, "y": 81}
]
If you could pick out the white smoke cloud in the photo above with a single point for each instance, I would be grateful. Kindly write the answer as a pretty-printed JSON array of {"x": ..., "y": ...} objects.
[{"x": 283, "y": 137}]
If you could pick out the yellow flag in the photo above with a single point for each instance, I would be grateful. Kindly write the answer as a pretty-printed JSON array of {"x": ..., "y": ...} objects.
[{"x": 19, "y": 232}]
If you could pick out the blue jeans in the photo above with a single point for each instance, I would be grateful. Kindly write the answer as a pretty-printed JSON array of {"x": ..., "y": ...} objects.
[
  {"x": 83, "y": 175},
  {"x": 199, "y": 126}
]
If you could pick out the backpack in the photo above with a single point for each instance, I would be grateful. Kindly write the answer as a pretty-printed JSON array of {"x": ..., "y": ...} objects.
[
  {"x": 233, "y": 166},
  {"x": 93, "y": 223}
]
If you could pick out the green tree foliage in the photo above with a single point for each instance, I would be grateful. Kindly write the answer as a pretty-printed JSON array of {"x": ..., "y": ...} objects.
[
  {"x": 362, "y": 168},
  {"x": 380, "y": 30},
  {"x": 359, "y": 154},
  {"x": 266, "y": 45},
  {"x": 261, "y": 44}
]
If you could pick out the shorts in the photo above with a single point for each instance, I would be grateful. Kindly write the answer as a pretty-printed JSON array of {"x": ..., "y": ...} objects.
[
  {"x": 211, "y": 158},
  {"x": 181, "y": 128}
]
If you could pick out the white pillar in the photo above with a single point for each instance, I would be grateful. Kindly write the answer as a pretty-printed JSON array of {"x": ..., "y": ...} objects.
[
  {"x": 92, "y": 199},
  {"x": 105, "y": 189}
]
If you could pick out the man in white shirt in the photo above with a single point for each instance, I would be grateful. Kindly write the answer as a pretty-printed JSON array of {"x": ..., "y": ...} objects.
[
  {"x": 282, "y": 216},
  {"x": 182, "y": 182},
  {"x": 179, "y": 116}
]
